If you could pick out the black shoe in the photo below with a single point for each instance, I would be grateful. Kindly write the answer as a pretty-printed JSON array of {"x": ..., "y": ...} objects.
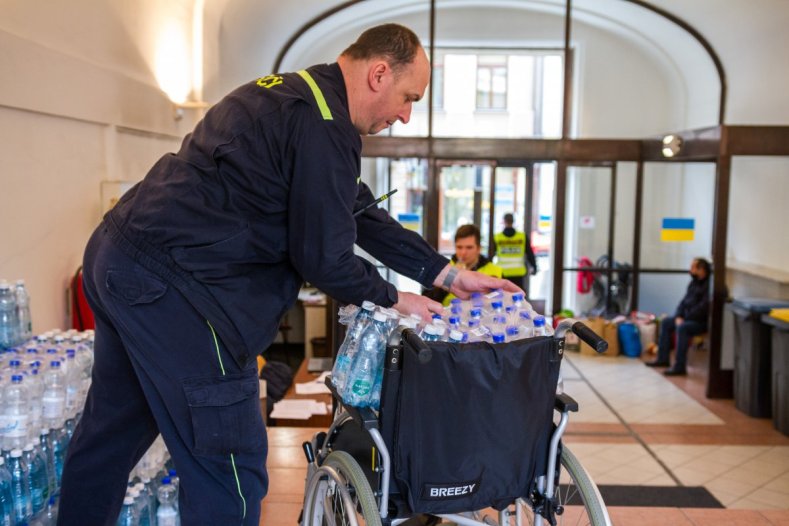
[
  {"x": 657, "y": 363},
  {"x": 675, "y": 372}
]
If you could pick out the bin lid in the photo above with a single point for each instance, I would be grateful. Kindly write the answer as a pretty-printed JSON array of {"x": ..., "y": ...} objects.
[
  {"x": 778, "y": 323},
  {"x": 760, "y": 305}
]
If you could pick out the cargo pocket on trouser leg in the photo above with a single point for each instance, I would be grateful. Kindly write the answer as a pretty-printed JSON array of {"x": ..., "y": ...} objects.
[{"x": 225, "y": 412}]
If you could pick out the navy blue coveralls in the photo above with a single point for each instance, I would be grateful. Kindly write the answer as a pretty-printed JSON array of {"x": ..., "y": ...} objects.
[{"x": 189, "y": 275}]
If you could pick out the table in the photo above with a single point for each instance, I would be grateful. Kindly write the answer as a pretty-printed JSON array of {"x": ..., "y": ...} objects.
[{"x": 323, "y": 421}]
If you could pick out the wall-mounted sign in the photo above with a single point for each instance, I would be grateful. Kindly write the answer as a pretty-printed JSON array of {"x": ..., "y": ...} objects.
[
  {"x": 677, "y": 229},
  {"x": 411, "y": 222}
]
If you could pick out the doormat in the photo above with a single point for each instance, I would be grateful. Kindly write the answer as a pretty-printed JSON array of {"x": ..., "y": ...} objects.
[{"x": 652, "y": 496}]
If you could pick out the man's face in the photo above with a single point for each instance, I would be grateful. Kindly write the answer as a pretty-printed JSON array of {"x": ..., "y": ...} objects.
[
  {"x": 696, "y": 270},
  {"x": 467, "y": 251},
  {"x": 397, "y": 94}
]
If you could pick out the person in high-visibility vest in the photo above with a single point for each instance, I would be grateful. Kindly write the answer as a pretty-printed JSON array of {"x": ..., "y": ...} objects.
[
  {"x": 514, "y": 253},
  {"x": 468, "y": 255}
]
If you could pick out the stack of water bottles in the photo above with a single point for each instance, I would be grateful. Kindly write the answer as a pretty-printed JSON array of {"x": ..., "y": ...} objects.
[
  {"x": 496, "y": 317},
  {"x": 152, "y": 493},
  {"x": 43, "y": 384},
  {"x": 16, "y": 327}
]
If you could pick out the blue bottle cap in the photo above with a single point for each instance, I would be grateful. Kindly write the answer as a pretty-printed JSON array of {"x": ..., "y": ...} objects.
[
  {"x": 172, "y": 473},
  {"x": 539, "y": 321},
  {"x": 517, "y": 297},
  {"x": 498, "y": 338},
  {"x": 499, "y": 319},
  {"x": 14, "y": 363},
  {"x": 454, "y": 320},
  {"x": 475, "y": 312},
  {"x": 32, "y": 350},
  {"x": 437, "y": 316},
  {"x": 525, "y": 315},
  {"x": 54, "y": 363},
  {"x": 166, "y": 480},
  {"x": 512, "y": 330},
  {"x": 496, "y": 304},
  {"x": 17, "y": 378},
  {"x": 455, "y": 301}
]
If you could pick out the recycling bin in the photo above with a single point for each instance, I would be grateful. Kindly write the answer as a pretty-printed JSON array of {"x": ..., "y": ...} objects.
[
  {"x": 752, "y": 355},
  {"x": 780, "y": 371}
]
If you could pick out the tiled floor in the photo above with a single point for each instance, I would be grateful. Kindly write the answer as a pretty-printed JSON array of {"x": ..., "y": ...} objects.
[{"x": 635, "y": 427}]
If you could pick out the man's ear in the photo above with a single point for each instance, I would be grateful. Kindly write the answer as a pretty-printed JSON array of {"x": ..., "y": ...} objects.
[{"x": 377, "y": 75}]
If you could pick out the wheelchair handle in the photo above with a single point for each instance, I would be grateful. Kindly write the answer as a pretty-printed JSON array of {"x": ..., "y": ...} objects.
[
  {"x": 582, "y": 331},
  {"x": 423, "y": 352}
]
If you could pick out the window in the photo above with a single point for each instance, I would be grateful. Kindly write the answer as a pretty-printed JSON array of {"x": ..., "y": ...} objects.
[
  {"x": 437, "y": 79},
  {"x": 491, "y": 82}
]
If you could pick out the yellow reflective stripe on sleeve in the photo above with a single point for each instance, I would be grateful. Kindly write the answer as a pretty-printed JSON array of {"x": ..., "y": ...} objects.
[{"x": 316, "y": 91}]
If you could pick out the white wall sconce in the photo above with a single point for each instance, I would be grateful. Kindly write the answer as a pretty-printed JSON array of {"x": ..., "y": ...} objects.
[{"x": 179, "y": 108}]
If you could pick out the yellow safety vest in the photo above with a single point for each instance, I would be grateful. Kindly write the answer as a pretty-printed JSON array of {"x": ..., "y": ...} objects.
[
  {"x": 510, "y": 254},
  {"x": 489, "y": 269}
]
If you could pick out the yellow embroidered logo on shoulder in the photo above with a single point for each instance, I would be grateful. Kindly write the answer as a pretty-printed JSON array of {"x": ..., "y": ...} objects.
[{"x": 269, "y": 81}]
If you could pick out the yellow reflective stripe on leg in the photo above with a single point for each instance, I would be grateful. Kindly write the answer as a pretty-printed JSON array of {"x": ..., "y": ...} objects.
[
  {"x": 316, "y": 91},
  {"x": 238, "y": 484},
  {"x": 232, "y": 457},
  {"x": 216, "y": 344}
]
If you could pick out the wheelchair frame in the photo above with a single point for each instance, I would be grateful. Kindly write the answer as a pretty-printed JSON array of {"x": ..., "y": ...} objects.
[{"x": 346, "y": 473}]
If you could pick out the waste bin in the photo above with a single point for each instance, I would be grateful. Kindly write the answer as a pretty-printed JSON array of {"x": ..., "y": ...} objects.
[
  {"x": 780, "y": 366},
  {"x": 752, "y": 356}
]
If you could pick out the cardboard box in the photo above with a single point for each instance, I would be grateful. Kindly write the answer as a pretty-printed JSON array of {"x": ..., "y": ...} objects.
[{"x": 605, "y": 329}]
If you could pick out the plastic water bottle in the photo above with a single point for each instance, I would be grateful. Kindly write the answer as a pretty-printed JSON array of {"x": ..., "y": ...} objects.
[
  {"x": 45, "y": 446},
  {"x": 59, "y": 446},
  {"x": 497, "y": 326},
  {"x": 128, "y": 516},
  {"x": 456, "y": 336},
  {"x": 39, "y": 484},
  {"x": 148, "y": 506},
  {"x": 7, "y": 512},
  {"x": 364, "y": 369},
  {"x": 167, "y": 515},
  {"x": 431, "y": 333},
  {"x": 176, "y": 482},
  {"x": 539, "y": 326},
  {"x": 20, "y": 488},
  {"x": 54, "y": 396},
  {"x": 50, "y": 515},
  {"x": 350, "y": 345},
  {"x": 526, "y": 325},
  {"x": 15, "y": 414},
  {"x": 9, "y": 322},
  {"x": 23, "y": 311}
]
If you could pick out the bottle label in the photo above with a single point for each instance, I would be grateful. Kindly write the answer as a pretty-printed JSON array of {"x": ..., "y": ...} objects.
[
  {"x": 53, "y": 406},
  {"x": 361, "y": 387},
  {"x": 14, "y": 426}
]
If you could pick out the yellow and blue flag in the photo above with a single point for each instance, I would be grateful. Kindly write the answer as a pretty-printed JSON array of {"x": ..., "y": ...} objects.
[{"x": 677, "y": 229}]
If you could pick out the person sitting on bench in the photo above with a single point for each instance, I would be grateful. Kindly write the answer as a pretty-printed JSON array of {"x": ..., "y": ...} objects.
[{"x": 689, "y": 320}]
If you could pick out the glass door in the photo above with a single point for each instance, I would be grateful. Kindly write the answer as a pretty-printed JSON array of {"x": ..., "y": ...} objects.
[
  {"x": 526, "y": 191},
  {"x": 464, "y": 197}
]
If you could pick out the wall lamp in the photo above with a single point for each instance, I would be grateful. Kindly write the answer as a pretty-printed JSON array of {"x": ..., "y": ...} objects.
[
  {"x": 672, "y": 144},
  {"x": 180, "y": 107}
]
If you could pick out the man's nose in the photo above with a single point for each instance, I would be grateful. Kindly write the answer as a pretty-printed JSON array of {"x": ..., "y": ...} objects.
[{"x": 405, "y": 115}]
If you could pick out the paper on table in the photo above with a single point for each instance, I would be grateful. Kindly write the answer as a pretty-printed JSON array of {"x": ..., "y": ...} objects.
[
  {"x": 298, "y": 409},
  {"x": 316, "y": 386}
]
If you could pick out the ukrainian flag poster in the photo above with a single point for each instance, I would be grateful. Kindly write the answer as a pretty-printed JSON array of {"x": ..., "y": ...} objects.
[{"x": 676, "y": 229}]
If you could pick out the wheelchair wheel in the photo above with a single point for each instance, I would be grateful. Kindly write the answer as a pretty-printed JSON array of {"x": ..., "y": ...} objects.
[
  {"x": 577, "y": 494},
  {"x": 338, "y": 494}
]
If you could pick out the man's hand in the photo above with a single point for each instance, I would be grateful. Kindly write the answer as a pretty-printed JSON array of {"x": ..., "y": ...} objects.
[
  {"x": 408, "y": 303},
  {"x": 468, "y": 281},
  {"x": 678, "y": 321}
]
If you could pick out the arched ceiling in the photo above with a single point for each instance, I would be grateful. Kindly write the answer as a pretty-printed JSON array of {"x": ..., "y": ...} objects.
[{"x": 251, "y": 33}]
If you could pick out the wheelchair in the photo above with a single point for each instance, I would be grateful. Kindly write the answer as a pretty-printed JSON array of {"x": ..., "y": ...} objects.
[{"x": 467, "y": 434}]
